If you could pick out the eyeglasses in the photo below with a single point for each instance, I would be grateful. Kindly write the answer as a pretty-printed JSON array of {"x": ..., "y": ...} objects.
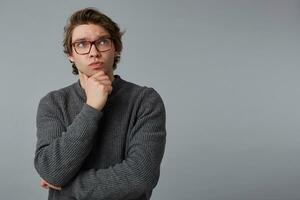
[{"x": 84, "y": 47}]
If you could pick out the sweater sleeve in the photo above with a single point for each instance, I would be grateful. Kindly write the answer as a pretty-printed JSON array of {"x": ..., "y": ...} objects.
[
  {"x": 61, "y": 150},
  {"x": 138, "y": 174}
]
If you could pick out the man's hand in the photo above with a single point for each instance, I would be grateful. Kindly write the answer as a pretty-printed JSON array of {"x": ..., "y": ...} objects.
[
  {"x": 97, "y": 88},
  {"x": 46, "y": 185}
]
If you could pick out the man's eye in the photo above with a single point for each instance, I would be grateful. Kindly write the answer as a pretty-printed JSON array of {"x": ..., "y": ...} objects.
[
  {"x": 103, "y": 42},
  {"x": 82, "y": 44}
]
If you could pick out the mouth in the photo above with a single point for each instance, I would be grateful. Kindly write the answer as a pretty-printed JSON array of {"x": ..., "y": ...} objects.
[{"x": 96, "y": 65}]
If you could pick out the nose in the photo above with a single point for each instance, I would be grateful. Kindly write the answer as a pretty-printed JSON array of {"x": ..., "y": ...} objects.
[{"x": 94, "y": 51}]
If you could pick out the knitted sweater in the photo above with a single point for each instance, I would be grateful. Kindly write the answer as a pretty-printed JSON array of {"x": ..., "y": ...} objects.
[{"x": 110, "y": 154}]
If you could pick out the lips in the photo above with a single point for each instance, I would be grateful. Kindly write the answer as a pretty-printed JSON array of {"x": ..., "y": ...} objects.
[{"x": 96, "y": 65}]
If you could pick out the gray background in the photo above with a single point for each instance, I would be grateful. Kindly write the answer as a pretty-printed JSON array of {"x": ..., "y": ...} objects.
[{"x": 228, "y": 72}]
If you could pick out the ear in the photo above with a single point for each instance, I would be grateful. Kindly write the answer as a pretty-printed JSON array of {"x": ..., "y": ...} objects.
[{"x": 71, "y": 58}]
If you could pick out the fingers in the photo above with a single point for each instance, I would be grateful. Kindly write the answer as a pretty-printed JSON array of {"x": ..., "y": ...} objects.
[
  {"x": 101, "y": 76},
  {"x": 102, "y": 79},
  {"x": 44, "y": 184},
  {"x": 47, "y": 185},
  {"x": 99, "y": 79},
  {"x": 97, "y": 88},
  {"x": 104, "y": 82},
  {"x": 99, "y": 73},
  {"x": 104, "y": 85}
]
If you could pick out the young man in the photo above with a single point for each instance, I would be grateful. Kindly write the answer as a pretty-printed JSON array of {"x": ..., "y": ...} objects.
[{"x": 101, "y": 137}]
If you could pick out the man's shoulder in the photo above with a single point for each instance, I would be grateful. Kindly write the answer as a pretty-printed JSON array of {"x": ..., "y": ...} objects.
[
  {"x": 130, "y": 88},
  {"x": 141, "y": 93},
  {"x": 59, "y": 94}
]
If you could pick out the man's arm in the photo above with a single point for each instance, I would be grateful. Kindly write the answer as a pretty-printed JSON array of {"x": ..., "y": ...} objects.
[
  {"x": 61, "y": 150},
  {"x": 139, "y": 172}
]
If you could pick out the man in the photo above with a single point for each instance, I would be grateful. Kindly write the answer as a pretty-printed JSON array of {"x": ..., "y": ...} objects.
[{"x": 101, "y": 137}]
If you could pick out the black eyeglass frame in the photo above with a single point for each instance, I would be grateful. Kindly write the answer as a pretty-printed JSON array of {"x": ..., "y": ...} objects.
[{"x": 91, "y": 43}]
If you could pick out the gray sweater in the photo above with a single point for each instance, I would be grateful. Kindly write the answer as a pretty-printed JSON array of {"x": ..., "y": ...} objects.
[{"x": 112, "y": 154}]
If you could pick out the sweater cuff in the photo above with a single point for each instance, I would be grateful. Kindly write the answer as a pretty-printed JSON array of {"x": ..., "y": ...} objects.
[
  {"x": 86, "y": 122},
  {"x": 90, "y": 112}
]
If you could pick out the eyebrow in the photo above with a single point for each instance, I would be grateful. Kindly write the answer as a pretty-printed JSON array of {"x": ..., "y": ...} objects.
[{"x": 85, "y": 39}]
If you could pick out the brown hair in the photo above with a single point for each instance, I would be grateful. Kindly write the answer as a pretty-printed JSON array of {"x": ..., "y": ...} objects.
[{"x": 92, "y": 16}]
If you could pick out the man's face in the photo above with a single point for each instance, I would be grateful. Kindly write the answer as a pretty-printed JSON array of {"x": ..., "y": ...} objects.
[{"x": 94, "y": 61}]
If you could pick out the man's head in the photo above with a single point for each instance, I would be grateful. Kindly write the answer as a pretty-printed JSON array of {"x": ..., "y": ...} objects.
[{"x": 94, "y": 29}]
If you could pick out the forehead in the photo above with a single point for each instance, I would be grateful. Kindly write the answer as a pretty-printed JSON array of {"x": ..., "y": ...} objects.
[{"x": 89, "y": 32}]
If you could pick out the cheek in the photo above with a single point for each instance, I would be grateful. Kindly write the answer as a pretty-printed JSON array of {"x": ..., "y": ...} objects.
[
  {"x": 108, "y": 59},
  {"x": 80, "y": 61},
  {"x": 112, "y": 58}
]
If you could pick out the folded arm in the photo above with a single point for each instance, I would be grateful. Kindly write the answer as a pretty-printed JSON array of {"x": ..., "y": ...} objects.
[
  {"x": 139, "y": 172},
  {"x": 61, "y": 150}
]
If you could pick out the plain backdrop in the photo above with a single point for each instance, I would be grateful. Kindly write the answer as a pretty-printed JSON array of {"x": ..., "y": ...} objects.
[{"x": 227, "y": 70}]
